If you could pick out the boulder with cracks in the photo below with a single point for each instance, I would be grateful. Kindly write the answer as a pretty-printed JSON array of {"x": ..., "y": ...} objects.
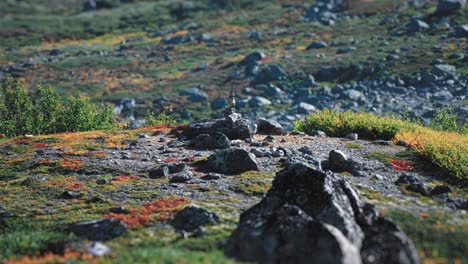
[{"x": 309, "y": 215}]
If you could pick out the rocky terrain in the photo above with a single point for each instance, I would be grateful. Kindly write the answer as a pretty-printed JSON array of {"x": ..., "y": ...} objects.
[
  {"x": 181, "y": 191},
  {"x": 233, "y": 182},
  {"x": 284, "y": 60}
]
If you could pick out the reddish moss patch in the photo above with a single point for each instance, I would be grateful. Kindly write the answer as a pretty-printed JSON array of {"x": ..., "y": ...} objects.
[{"x": 161, "y": 210}]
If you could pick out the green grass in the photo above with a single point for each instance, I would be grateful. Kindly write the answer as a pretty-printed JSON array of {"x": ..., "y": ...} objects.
[
  {"x": 446, "y": 150},
  {"x": 436, "y": 237}
]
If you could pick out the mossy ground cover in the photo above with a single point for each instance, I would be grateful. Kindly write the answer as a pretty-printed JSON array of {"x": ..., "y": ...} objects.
[
  {"x": 91, "y": 55},
  {"x": 438, "y": 237},
  {"x": 445, "y": 150}
]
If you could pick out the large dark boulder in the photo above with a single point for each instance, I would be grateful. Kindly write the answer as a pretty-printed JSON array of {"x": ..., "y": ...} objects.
[
  {"x": 232, "y": 161},
  {"x": 240, "y": 129},
  {"x": 98, "y": 230},
  {"x": 449, "y": 7},
  {"x": 269, "y": 127},
  {"x": 192, "y": 217},
  {"x": 269, "y": 74},
  {"x": 216, "y": 140},
  {"x": 313, "y": 216}
]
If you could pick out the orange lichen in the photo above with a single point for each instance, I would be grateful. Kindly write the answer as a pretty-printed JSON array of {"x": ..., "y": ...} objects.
[
  {"x": 401, "y": 165},
  {"x": 40, "y": 145},
  {"x": 161, "y": 210},
  {"x": 71, "y": 164},
  {"x": 169, "y": 160},
  {"x": 68, "y": 256},
  {"x": 125, "y": 178}
]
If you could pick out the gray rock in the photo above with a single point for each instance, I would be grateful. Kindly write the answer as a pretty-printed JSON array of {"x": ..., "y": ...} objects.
[
  {"x": 258, "y": 101},
  {"x": 216, "y": 140},
  {"x": 309, "y": 214},
  {"x": 219, "y": 103},
  {"x": 241, "y": 129},
  {"x": 98, "y": 230},
  {"x": 317, "y": 45},
  {"x": 352, "y": 136},
  {"x": 417, "y": 25},
  {"x": 195, "y": 95},
  {"x": 338, "y": 161},
  {"x": 353, "y": 95},
  {"x": 443, "y": 70},
  {"x": 70, "y": 195},
  {"x": 232, "y": 161},
  {"x": 253, "y": 57},
  {"x": 345, "y": 50},
  {"x": 181, "y": 177},
  {"x": 159, "y": 172},
  {"x": 305, "y": 108},
  {"x": 212, "y": 176},
  {"x": 269, "y": 127},
  {"x": 270, "y": 73},
  {"x": 98, "y": 249},
  {"x": 193, "y": 217},
  {"x": 460, "y": 32},
  {"x": 440, "y": 189},
  {"x": 449, "y": 7}
]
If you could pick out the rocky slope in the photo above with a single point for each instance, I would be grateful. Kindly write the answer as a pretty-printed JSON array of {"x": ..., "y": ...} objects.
[{"x": 220, "y": 170}]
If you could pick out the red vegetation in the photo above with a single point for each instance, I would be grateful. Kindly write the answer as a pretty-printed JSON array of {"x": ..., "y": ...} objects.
[
  {"x": 45, "y": 162},
  {"x": 401, "y": 165},
  {"x": 40, "y": 145},
  {"x": 168, "y": 160},
  {"x": 163, "y": 209},
  {"x": 125, "y": 178},
  {"x": 68, "y": 257},
  {"x": 70, "y": 186},
  {"x": 71, "y": 164},
  {"x": 21, "y": 141}
]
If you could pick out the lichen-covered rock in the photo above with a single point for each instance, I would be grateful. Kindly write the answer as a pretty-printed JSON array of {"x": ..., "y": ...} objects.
[
  {"x": 216, "y": 140},
  {"x": 309, "y": 215},
  {"x": 269, "y": 127},
  {"x": 98, "y": 230},
  {"x": 192, "y": 217},
  {"x": 232, "y": 161},
  {"x": 240, "y": 129}
]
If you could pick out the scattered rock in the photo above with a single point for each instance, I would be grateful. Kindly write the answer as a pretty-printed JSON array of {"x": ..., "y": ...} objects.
[
  {"x": 440, "y": 189},
  {"x": 449, "y": 7},
  {"x": 181, "y": 177},
  {"x": 309, "y": 214},
  {"x": 352, "y": 136},
  {"x": 233, "y": 161},
  {"x": 338, "y": 161},
  {"x": 269, "y": 127},
  {"x": 216, "y": 140},
  {"x": 159, "y": 172},
  {"x": 70, "y": 195},
  {"x": 98, "y": 249},
  {"x": 193, "y": 217},
  {"x": 98, "y": 230},
  {"x": 270, "y": 73},
  {"x": 195, "y": 95},
  {"x": 417, "y": 25},
  {"x": 317, "y": 45}
]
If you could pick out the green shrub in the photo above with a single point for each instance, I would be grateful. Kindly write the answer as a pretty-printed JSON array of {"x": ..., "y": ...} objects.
[
  {"x": 16, "y": 109},
  {"x": 444, "y": 149},
  {"x": 164, "y": 118},
  {"x": 45, "y": 112},
  {"x": 368, "y": 126},
  {"x": 446, "y": 120}
]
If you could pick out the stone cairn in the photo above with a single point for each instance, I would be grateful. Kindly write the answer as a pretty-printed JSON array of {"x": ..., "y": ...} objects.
[{"x": 230, "y": 112}]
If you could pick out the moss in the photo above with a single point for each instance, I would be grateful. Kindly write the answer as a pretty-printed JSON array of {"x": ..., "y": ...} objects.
[
  {"x": 437, "y": 236},
  {"x": 354, "y": 146}
]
